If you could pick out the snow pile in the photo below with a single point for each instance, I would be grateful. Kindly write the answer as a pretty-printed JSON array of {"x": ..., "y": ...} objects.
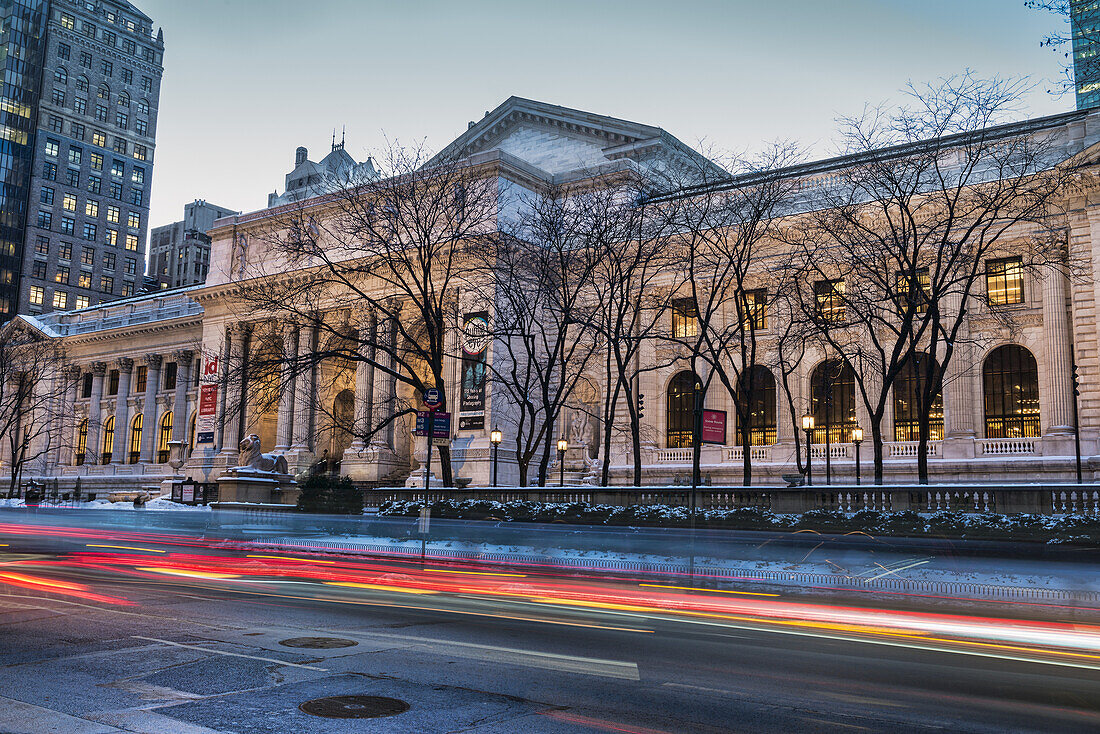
[{"x": 159, "y": 503}]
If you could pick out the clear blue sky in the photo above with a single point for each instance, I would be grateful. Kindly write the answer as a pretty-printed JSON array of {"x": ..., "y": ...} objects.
[{"x": 246, "y": 81}]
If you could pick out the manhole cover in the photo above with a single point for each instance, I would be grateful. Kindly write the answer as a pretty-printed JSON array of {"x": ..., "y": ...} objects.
[
  {"x": 354, "y": 707},
  {"x": 318, "y": 643}
]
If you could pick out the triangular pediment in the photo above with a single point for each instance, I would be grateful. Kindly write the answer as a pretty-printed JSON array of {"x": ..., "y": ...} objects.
[{"x": 560, "y": 140}]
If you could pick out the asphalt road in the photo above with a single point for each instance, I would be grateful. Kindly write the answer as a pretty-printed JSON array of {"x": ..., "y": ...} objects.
[{"x": 196, "y": 658}]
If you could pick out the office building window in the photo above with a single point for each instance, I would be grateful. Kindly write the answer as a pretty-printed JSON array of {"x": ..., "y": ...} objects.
[
  {"x": 49, "y": 171},
  {"x": 131, "y": 266},
  {"x": 132, "y": 242},
  {"x": 52, "y": 147},
  {"x": 107, "y": 68},
  {"x": 42, "y": 245},
  {"x": 58, "y": 97},
  {"x": 56, "y": 124},
  {"x": 127, "y": 76},
  {"x": 109, "y": 38},
  {"x": 118, "y": 168},
  {"x": 146, "y": 84},
  {"x": 112, "y": 237},
  {"x": 138, "y": 175},
  {"x": 97, "y": 161},
  {"x": 685, "y": 317},
  {"x": 141, "y": 375},
  {"x": 129, "y": 46},
  {"x": 84, "y": 280},
  {"x": 38, "y": 295},
  {"x": 68, "y": 203},
  {"x": 89, "y": 29},
  {"x": 87, "y": 256},
  {"x": 122, "y": 119},
  {"x": 63, "y": 51},
  {"x": 141, "y": 153},
  {"x": 127, "y": 288},
  {"x": 137, "y": 196},
  {"x": 106, "y": 284},
  {"x": 170, "y": 371},
  {"x": 68, "y": 225},
  {"x": 134, "y": 220},
  {"x": 99, "y": 138},
  {"x": 46, "y": 196},
  {"x": 82, "y": 302},
  {"x": 89, "y": 231},
  {"x": 101, "y": 113},
  {"x": 67, "y": 21},
  {"x": 39, "y": 270},
  {"x": 45, "y": 219},
  {"x": 829, "y": 301},
  {"x": 120, "y": 145},
  {"x": 60, "y": 75},
  {"x": 116, "y": 190},
  {"x": 141, "y": 127},
  {"x": 86, "y": 59},
  {"x": 77, "y": 131},
  {"x": 113, "y": 213},
  {"x": 75, "y": 155},
  {"x": 94, "y": 184},
  {"x": 82, "y": 84},
  {"x": 109, "y": 259},
  {"x": 65, "y": 251},
  {"x": 143, "y": 107},
  {"x": 62, "y": 274},
  {"x": 91, "y": 208},
  {"x": 60, "y": 299},
  {"x": 80, "y": 105},
  {"x": 72, "y": 177}
]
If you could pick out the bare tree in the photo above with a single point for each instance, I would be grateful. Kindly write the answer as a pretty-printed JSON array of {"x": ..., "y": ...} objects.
[
  {"x": 898, "y": 239},
  {"x": 1063, "y": 41},
  {"x": 374, "y": 269},
  {"x": 33, "y": 420}
]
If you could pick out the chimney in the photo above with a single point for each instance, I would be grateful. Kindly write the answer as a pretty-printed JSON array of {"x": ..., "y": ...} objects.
[{"x": 300, "y": 156}]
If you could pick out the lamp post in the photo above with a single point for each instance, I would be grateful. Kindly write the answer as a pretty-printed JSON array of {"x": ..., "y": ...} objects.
[
  {"x": 857, "y": 439},
  {"x": 495, "y": 437},
  {"x": 808, "y": 427},
  {"x": 563, "y": 446}
]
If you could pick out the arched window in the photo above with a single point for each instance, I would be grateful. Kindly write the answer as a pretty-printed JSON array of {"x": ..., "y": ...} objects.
[
  {"x": 108, "y": 440},
  {"x": 104, "y": 92},
  {"x": 909, "y": 389},
  {"x": 343, "y": 424},
  {"x": 681, "y": 410},
  {"x": 1010, "y": 382},
  {"x": 833, "y": 399},
  {"x": 163, "y": 437},
  {"x": 82, "y": 84},
  {"x": 757, "y": 390},
  {"x": 81, "y": 442},
  {"x": 60, "y": 75},
  {"x": 135, "y": 439},
  {"x": 123, "y": 99},
  {"x": 143, "y": 107}
]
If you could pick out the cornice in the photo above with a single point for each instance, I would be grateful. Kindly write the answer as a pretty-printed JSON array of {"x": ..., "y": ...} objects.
[{"x": 136, "y": 330}]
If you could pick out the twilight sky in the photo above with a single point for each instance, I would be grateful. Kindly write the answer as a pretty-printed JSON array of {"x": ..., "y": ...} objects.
[{"x": 246, "y": 81}]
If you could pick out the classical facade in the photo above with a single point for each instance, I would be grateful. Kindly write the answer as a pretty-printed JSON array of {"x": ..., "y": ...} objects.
[{"x": 150, "y": 371}]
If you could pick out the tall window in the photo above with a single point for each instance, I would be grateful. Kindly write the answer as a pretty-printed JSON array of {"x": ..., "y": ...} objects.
[
  {"x": 81, "y": 441},
  {"x": 135, "y": 439},
  {"x": 170, "y": 371},
  {"x": 1010, "y": 381},
  {"x": 108, "y": 440},
  {"x": 757, "y": 392},
  {"x": 908, "y": 392},
  {"x": 754, "y": 310},
  {"x": 163, "y": 437},
  {"x": 685, "y": 317},
  {"x": 829, "y": 301},
  {"x": 681, "y": 410},
  {"x": 833, "y": 399},
  {"x": 917, "y": 297},
  {"x": 1004, "y": 281}
]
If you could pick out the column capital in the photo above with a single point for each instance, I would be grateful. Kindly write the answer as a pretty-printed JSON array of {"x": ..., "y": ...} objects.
[
  {"x": 125, "y": 364},
  {"x": 183, "y": 356},
  {"x": 73, "y": 372},
  {"x": 154, "y": 360},
  {"x": 99, "y": 368}
]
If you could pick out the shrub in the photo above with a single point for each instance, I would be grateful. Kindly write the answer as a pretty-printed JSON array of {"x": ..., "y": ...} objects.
[{"x": 330, "y": 495}]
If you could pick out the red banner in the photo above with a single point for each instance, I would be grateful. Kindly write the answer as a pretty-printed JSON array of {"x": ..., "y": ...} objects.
[{"x": 714, "y": 427}]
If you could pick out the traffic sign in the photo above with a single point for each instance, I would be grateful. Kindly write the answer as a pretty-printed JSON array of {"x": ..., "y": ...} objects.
[{"x": 433, "y": 398}]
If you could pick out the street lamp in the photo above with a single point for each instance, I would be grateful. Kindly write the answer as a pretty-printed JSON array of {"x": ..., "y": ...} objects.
[
  {"x": 563, "y": 445},
  {"x": 857, "y": 439},
  {"x": 495, "y": 437},
  {"x": 808, "y": 427}
]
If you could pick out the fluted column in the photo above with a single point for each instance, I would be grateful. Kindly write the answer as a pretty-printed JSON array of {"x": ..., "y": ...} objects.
[
  {"x": 120, "y": 452},
  {"x": 149, "y": 409},
  {"x": 232, "y": 407},
  {"x": 385, "y": 385},
  {"x": 1056, "y": 329},
  {"x": 284, "y": 425},
  {"x": 95, "y": 427},
  {"x": 184, "y": 360},
  {"x": 364, "y": 383},
  {"x": 304, "y": 389}
]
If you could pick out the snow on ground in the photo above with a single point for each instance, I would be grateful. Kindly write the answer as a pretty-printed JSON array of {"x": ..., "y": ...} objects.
[{"x": 159, "y": 503}]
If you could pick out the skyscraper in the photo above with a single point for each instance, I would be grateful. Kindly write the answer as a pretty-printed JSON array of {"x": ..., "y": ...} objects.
[
  {"x": 1085, "y": 26},
  {"x": 179, "y": 253},
  {"x": 78, "y": 128}
]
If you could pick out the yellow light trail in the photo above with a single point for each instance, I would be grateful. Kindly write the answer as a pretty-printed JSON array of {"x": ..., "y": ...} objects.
[
  {"x": 126, "y": 547},
  {"x": 189, "y": 574},
  {"x": 379, "y": 587},
  {"x": 477, "y": 573},
  {"x": 712, "y": 591},
  {"x": 289, "y": 558}
]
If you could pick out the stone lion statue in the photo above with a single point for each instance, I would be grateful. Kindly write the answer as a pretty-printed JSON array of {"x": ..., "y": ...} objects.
[{"x": 252, "y": 458}]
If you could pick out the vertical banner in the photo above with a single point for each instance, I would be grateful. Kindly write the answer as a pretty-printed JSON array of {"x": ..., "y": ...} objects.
[
  {"x": 208, "y": 403},
  {"x": 475, "y": 341}
]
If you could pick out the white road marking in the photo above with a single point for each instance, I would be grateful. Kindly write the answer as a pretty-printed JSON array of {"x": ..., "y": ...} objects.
[{"x": 230, "y": 654}]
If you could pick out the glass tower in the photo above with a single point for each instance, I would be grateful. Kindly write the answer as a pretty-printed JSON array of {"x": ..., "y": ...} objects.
[
  {"x": 1085, "y": 26},
  {"x": 22, "y": 51}
]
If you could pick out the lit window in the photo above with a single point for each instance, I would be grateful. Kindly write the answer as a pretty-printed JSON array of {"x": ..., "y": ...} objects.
[
  {"x": 1004, "y": 281},
  {"x": 87, "y": 256},
  {"x": 131, "y": 242},
  {"x": 62, "y": 275},
  {"x": 52, "y": 147},
  {"x": 97, "y": 161},
  {"x": 99, "y": 138},
  {"x": 113, "y": 213},
  {"x": 138, "y": 175},
  {"x": 68, "y": 203},
  {"x": 109, "y": 261},
  {"x": 685, "y": 317},
  {"x": 829, "y": 300},
  {"x": 84, "y": 280},
  {"x": 112, "y": 237},
  {"x": 67, "y": 21},
  {"x": 920, "y": 300},
  {"x": 118, "y": 168},
  {"x": 134, "y": 220},
  {"x": 60, "y": 299},
  {"x": 141, "y": 153},
  {"x": 754, "y": 310},
  {"x": 91, "y": 208},
  {"x": 82, "y": 302},
  {"x": 38, "y": 295}
]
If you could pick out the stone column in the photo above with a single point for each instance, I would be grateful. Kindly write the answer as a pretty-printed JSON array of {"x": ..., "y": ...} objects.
[
  {"x": 184, "y": 359},
  {"x": 961, "y": 392},
  {"x": 303, "y": 393},
  {"x": 385, "y": 387},
  {"x": 95, "y": 428},
  {"x": 232, "y": 408},
  {"x": 364, "y": 384},
  {"x": 149, "y": 409},
  {"x": 70, "y": 421},
  {"x": 1059, "y": 342},
  {"x": 120, "y": 454},
  {"x": 284, "y": 434}
]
